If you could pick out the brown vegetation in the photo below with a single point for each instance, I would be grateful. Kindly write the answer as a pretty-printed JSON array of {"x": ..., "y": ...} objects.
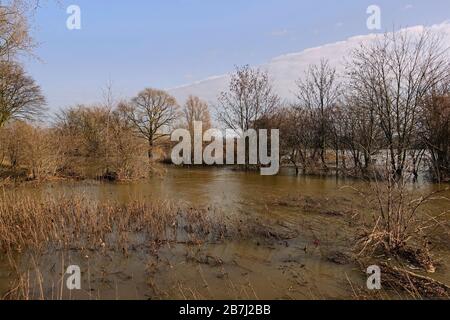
[
  {"x": 386, "y": 117},
  {"x": 399, "y": 225},
  {"x": 98, "y": 142},
  {"x": 20, "y": 97},
  {"x": 29, "y": 149},
  {"x": 388, "y": 109},
  {"x": 80, "y": 223}
]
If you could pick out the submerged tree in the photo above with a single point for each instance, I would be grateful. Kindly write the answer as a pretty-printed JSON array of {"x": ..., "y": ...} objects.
[
  {"x": 435, "y": 133},
  {"x": 249, "y": 102},
  {"x": 391, "y": 77},
  {"x": 152, "y": 112},
  {"x": 249, "y": 98},
  {"x": 296, "y": 132},
  {"x": 318, "y": 93},
  {"x": 361, "y": 134}
]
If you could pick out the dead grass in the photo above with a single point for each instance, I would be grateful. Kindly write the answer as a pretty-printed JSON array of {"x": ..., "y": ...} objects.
[
  {"x": 399, "y": 283},
  {"x": 32, "y": 230},
  {"x": 416, "y": 285},
  {"x": 79, "y": 223},
  {"x": 396, "y": 232}
]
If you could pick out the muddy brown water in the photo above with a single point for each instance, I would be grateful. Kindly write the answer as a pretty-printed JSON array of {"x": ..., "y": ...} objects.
[{"x": 297, "y": 268}]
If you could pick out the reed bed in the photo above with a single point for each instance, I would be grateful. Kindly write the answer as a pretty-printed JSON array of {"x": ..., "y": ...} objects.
[
  {"x": 79, "y": 223},
  {"x": 35, "y": 231}
]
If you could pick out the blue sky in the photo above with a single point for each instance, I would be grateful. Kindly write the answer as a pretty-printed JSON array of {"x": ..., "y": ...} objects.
[{"x": 166, "y": 43}]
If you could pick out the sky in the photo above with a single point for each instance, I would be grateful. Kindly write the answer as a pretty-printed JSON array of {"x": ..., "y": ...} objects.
[{"x": 167, "y": 43}]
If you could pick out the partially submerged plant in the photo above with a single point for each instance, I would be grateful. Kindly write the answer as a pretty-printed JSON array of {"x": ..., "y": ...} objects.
[{"x": 399, "y": 225}]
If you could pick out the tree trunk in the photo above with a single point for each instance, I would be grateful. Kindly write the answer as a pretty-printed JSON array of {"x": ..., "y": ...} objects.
[
  {"x": 150, "y": 149},
  {"x": 337, "y": 158}
]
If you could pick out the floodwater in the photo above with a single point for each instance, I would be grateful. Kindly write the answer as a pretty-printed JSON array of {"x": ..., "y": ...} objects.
[{"x": 296, "y": 268}]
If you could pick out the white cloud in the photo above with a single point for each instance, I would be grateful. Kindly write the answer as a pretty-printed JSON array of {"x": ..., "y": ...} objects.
[
  {"x": 408, "y": 7},
  {"x": 285, "y": 70}
]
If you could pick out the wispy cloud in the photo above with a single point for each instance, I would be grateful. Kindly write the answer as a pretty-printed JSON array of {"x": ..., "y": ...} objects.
[
  {"x": 408, "y": 7},
  {"x": 285, "y": 70},
  {"x": 279, "y": 33}
]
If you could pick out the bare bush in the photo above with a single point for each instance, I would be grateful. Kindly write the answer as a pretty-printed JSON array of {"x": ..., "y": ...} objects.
[
  {"x": 29, "y": 149},
  {"x": 98, "y": 142},
  {"x": 400, "y": 224}
]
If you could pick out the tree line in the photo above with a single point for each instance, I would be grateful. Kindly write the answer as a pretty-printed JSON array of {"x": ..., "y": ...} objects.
[{"x": 390, "y": 108}]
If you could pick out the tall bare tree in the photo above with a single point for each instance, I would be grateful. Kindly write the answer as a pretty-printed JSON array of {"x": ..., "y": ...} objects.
[
  {"x": 295, "y": 138},
  {"x": 435, "y": 133},
  {"x": 393, "y": 76},
  {"x": 361, "y": 132},
  {"x": 318, "y": 92},
  {"x": 20, "y": 97},
  {"x": 152, "y": 112},
  {"x": 14, "y": 28},
  {"x": 249, "y": 98},
  {"x": 196, "y": 109}
]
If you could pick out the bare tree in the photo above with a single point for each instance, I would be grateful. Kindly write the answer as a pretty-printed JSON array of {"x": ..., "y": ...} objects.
[
  {"x": 318, "y": 92},
  {"x": 361, "y": 131},
  {"x": 196, "y": 109},
  {"x": 393, "y": 76},
  {"x": 435, "y": 133},
  {"x": 14, "y": 29},
  {"x": 336, "y": 131},
  {"x": 20, "y": 96},
  {"x": 151, "y": 112},
  {"x": 249, "y": 98},
  {"x": 296, "y": 138}
]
